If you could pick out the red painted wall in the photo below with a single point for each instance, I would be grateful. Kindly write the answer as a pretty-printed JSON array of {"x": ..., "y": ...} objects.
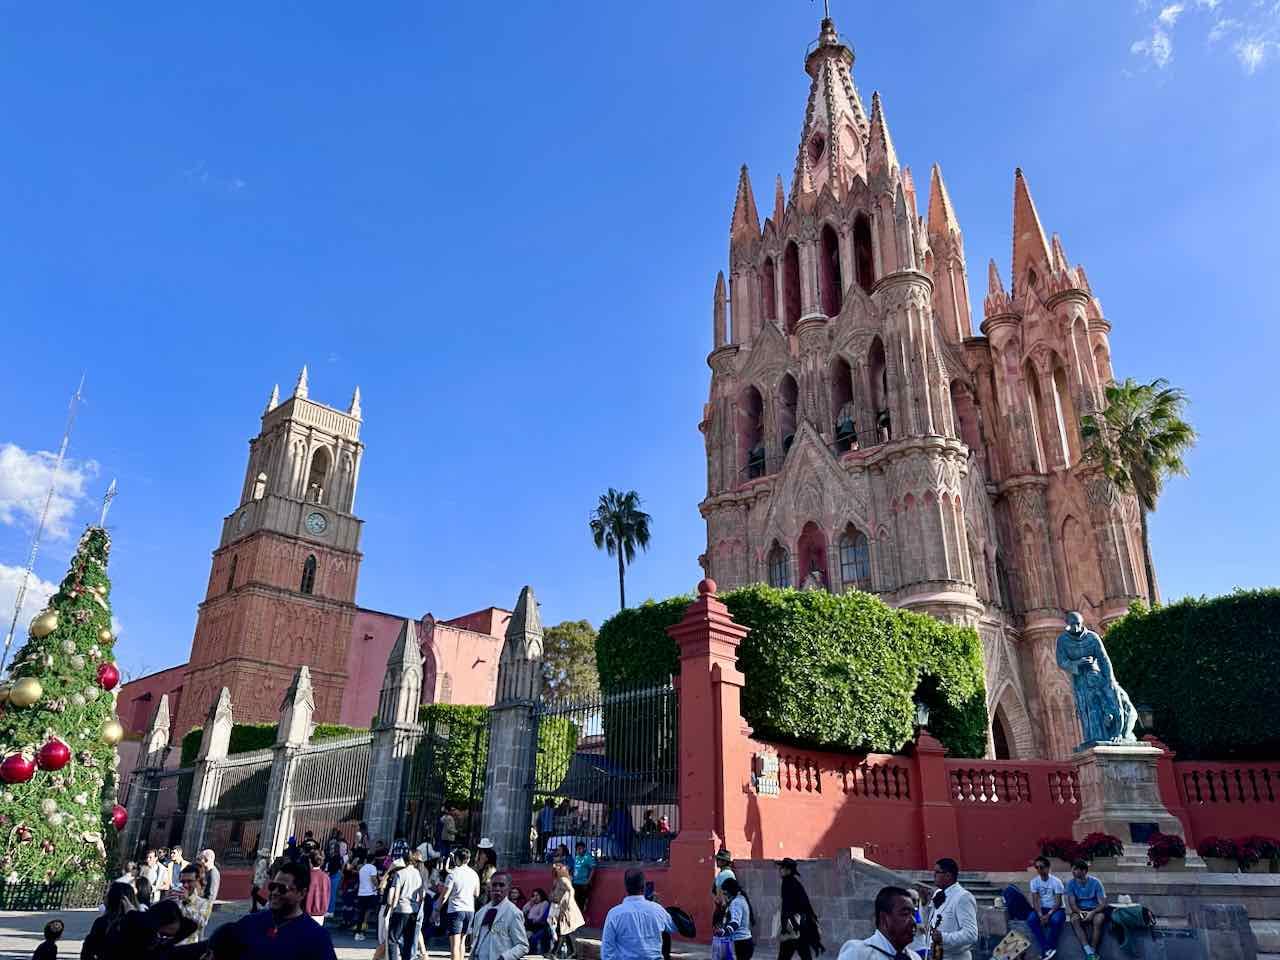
[
  {"x": 138, "y": 699},
  {"x": 1229, "y": 799},
  {"x": 607, "y": 890}
]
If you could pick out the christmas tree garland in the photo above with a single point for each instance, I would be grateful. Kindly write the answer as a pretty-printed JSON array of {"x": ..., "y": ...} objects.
[{"x": 58, "y": 733}]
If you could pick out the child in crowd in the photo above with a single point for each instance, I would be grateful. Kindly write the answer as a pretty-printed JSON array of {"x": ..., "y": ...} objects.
[{"x": 48, "y": 949}]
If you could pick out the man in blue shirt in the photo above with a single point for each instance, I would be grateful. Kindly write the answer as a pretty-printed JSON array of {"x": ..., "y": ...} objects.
[
  {"x": 584, "y": 865},
  {"x": 285, "y": 932},
  {"x": 637, "y": 928},
  {"x": 1087, "y": 907}
]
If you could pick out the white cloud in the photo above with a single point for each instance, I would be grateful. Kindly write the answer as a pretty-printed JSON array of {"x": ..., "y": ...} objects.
[
  {"x": 1169, "y": 15},
  {"x": 1159, "y": 47},
  {"x": 1209, "y": 4},
  {"x": 37, "y": 595},
  {"x": 24, "y": 484},
  {"x": 1222, "y": 27},
  {"x": 1253, "y": 53}
]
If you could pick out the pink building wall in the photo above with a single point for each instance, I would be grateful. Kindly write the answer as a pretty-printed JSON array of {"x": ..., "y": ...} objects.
[{"x": 139, "y": 698}]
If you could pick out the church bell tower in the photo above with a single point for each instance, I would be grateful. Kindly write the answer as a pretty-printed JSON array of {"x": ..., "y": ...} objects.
[{"x": 282, "y": 586}]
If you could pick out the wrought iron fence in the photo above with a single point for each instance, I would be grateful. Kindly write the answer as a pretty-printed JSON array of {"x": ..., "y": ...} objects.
[
  {"x": 163, "y": 811},
  {"x": 330, "y": 780},
  {"x": 605, "y": 775},
  {"x": 235, "y": 824},
  {"x": 446, "y": 770}
]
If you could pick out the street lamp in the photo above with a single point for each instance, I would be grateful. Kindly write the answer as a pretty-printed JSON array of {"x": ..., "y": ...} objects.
[
  {"x": 922, "y": 714},
  {"x": 1146, "y": 716}
]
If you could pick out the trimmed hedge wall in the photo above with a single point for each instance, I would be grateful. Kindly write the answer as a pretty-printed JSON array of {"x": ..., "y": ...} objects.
[
  {"x": 822, "y": 670},
  {"x": 1208, "y": 667},
  {"x": 247, "y": 737}
]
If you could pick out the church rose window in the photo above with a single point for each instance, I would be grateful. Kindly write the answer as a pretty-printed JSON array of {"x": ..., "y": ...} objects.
[
  {"x": 855, "y": 560},
  {"x": 309, "y": 575},
  {"x": 779, "y": 567}
]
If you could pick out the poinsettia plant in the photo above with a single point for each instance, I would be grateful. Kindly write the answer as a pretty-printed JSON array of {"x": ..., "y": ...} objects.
[
  {"x": 1100, "y": 845},
  {"x": 1059, "y": 848},
  {"x": 1217, "y": 847},
  {"x": 1164, "y": 847},
  {"x": 1267, "y": 847}
]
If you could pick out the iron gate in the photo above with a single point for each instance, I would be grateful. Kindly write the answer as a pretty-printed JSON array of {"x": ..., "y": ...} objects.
[
  {"x": 166, "y": 799},
  {"x": 235, "y": 823},
  {"x": 446, "y": 768},
  {"x": 329, "y": 784}
]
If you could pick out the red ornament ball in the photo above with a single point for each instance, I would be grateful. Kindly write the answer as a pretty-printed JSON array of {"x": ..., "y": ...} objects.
[
  {"x": 54, "y": 755},
  {"x": 108, "y": 675},
  {"x": 17, "y": 769},
  {"x": 119, "y": 817}
]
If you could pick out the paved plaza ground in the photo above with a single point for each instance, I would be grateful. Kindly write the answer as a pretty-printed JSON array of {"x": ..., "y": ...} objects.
[{"x": 20, "y": 932}]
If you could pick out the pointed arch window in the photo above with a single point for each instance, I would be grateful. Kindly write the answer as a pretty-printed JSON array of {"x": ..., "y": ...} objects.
[
  {"x": 863, "y": 256},
  {"x": 231, "y": 577},
  {"x": 260, "y": 486},
  {"x": 779, "y": 566},
  {"x": 832, "y": 281},
  {"x": 791, "y": 286},
  {"x": 855, "y": 560},
  {"x": 789, "y": 400},
  {"x": 309, "y": 575},
  {"x": 769, "y": 288},
  {"x": 318, "y": 478}
]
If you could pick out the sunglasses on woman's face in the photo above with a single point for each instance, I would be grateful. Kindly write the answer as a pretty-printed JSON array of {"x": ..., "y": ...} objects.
[{"x": 277, "y": 888}]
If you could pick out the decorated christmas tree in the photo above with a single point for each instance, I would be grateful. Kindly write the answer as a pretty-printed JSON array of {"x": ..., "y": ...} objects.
[{"x": 58, "y": 733}]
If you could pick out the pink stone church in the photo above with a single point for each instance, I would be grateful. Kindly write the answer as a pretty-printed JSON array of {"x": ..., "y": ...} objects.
[
  {"x": 860, "y": 435},
  {"x": 282, "y": 589}
]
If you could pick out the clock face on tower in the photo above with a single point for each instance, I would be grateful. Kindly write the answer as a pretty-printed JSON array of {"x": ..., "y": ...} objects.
[{"x": 316, "y": 522}]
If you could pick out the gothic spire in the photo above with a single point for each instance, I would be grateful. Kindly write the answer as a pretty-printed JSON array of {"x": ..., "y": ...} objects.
[
  {"x": 942, "y": 216},
  {"x": 746, "y": 222},
  {"x": 779, "y": 202},
  {"x": 1060, "y": 262},
  {"x": 909, "y": 187},
  {"x": 274, "y": 400},
  {"x": 300, "y": 388},
  {"x": 1030, "y": 248},
  {"x": 525, "y": 627},
  {"x": 881, "y": 157},
  {"x": 354, "y": 409},
  {"x": 994, "y": 284},
  {"x": 835, "y": 122},
  {"x": 718, "y": 312}
]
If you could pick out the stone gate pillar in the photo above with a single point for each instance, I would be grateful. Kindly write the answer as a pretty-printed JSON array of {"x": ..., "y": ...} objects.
[
  {"x": 715, "y": 759},
  {"x": 146, "y": 776},
  {"x": 215, "y": 739},
  {"x": 395, "y": 734},
  {"x": 293, "y": 732},
  {"x": 510, "y": 766}
]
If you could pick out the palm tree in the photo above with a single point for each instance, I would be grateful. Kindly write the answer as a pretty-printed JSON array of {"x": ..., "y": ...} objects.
[
  {"x": 1139, "y": 440},
  {"x": 618, "y": 526}
]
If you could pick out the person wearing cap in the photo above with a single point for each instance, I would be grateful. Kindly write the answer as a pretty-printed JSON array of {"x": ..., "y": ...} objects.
[
  {"x": 724, "y": 871},
  {"x": 486, "y": 867},
  {"x": 799, "y": 932},
  {"x": 404, "y": 885}
]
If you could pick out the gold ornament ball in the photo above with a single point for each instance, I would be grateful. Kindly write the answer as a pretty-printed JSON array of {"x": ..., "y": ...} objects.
[
  {"x": 111, "y": 732},
  {"x": 104, "y": 635},
  {"x": 44, "y": 624},
  {"x": 100, "y": 590},
  {"x": 25, "y": 692}
]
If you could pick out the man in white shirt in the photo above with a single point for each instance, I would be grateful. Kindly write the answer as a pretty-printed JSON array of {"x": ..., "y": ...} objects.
[
  {"x": 895, "y": 928},
  {"x": 153, "y": 871},
  {"x": 953, "y": 921},
  {"x": 1047, "y": 914},
  {"x": 461, "y": 889},
  {"x": 402, "y": 907},
  {"x": 499, "y": 928},
  {"x": 366, "y": 896},
  {"x": 637, "y": 928}
]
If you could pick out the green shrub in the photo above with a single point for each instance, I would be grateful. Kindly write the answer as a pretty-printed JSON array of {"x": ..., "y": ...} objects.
[
  {"x": 247, "y": 737},
  {"x": 823, "y": 670},
  {"x": 1206, "y": 666}
]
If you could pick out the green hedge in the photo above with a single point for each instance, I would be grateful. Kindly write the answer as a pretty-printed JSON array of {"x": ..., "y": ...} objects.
[
  {"x": 822, "y": 670},
  {"x": 247, "y": 737},
  {"x": 1208, "y": 668}
]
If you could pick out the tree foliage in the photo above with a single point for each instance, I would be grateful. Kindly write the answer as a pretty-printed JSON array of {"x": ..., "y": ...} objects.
[
  {"x": 1140, "y": 440},
  {"x": 57, "y": 826},
  {"x": 569, "y": 658},
  {"x": 1206, "y": 666},
  {"x": 618, "y": 526},
  {"x": 824, "y": 670}
]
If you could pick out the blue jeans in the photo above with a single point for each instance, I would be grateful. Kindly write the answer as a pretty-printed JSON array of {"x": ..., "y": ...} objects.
[
  {"x": 1048, "y": 931},
  {"x": 333, "y": 891}
]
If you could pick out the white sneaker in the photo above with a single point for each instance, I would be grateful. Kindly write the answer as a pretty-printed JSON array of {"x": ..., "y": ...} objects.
[
  {"x": 1050, "y": 954},
  {"x": 358, "y": 936}
]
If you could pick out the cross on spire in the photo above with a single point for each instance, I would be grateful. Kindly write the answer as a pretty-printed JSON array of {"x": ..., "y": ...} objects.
[{"x": 106, "y": 503}]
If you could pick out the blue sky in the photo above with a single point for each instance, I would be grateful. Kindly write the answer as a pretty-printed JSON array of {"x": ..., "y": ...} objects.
[{"x": 504, "y": 223}]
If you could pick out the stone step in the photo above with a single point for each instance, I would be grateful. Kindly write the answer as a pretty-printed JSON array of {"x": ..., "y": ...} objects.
[{"x": 1267, "y": 933}]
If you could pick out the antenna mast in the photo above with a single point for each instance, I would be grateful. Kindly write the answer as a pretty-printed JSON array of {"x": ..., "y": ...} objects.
[{"x": 44, "y": 516}]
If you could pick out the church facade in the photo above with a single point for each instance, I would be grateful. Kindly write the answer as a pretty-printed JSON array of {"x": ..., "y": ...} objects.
[
  {"x": 282, "y": 592},
  {"x": 860, "y": 435}
]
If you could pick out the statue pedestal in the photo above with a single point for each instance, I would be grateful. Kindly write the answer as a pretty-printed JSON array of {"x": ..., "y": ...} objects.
[{"x": 1120, "y": 795}]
